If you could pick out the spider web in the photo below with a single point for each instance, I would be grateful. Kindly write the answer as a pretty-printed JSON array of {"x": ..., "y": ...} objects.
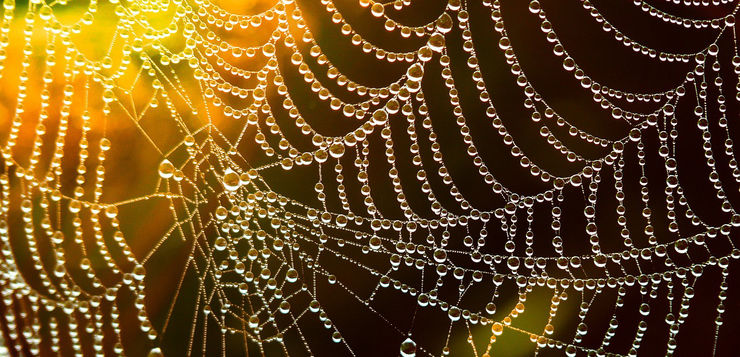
[{"x": 363, "y": 178}]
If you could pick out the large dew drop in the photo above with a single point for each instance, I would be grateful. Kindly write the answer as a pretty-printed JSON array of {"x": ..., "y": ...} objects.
[
  {"x": 436, "y": 42},
  {"x": 380, "y": 117},
  {"x": 444, "y": 23},
  {"x": 440, "y": 256},
  {"x": 415, "y": 72},
  {"x": 408, "y": 348},
  {"x": 166, "y": 169},
  {"x": 377, "y": 10},
  {"x": 231, "y": 180},
  {"x": 336, "y": 150}
]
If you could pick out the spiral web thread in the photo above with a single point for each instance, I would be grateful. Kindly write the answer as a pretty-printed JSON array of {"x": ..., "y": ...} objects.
[{"x": 260, "y": 258}]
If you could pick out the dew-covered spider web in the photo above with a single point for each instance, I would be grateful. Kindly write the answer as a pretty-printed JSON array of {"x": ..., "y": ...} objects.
[{"x": 362, "y": 178}]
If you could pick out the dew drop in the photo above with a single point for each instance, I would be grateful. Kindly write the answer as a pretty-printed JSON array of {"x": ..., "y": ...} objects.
[
  {"x": 375, "y": 243},
  {"x": 231, "y": 180},
  {"x": 292, "y": 275},
  {"x": 436, "y": 42},
  {"x": 166, "y": 169},
  {"x": 284, "y": 307},
  {"x": 220, "y": 243},
  {"x": 440, "y": 256},
  {"x": 534, "y": 6},
  {"x": 423, "y": 300},
  {"x": 408, "y": 348},
  {"x": 444, "y": 23},
  {"x": 682, "y": 246},
  {"x": 321, "y": 155},
  {"x": 513, "y": 263},
  {"x": 497, "y": 328},
  {"x": 221, "y": 213},
  {"x": 377, "y": 9},
  {"x": 569, "y": 64},
  {"x": 644, "y": 309},
  {"x": 380, "y": 117},
  {"x": 415, "y": 72},
  {"x": 45, "y": 13},
  {"x": 454, "y": 313},
  {"x": 336, "y": 150}
]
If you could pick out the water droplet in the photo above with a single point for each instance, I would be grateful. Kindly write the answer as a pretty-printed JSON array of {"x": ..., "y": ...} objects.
[
  {"x": 166, "y": 169},
  {"x": 336, "y": 337},
  {"x": 284, "y": 307},
  {"x": 336, "y": 150},
  {"x": 377, "y": 9},
  {"x": 497, "y": 328},
  {"x": 220, "y": 243},
  {"x": 105, "y": 144},
  {"x": 320, "y": 155},
  {"x": 231, "y": 180},
  {"x": 440, "y": 256},
  {"x": 423, "y": 300},
  {"x": 45, "y": 13},
  {"x": 408, "y": 348},
  {"x": 436, "y": 42},
  {"x": 569, "y": 64},
  {"x": 292, "y": 275},
  {"x": 415, "y": 72},
  {"x": 375, "y": 243},
  {"x": 444, "y": 23},
  {"x": 681, "y": 245},
  {"x": 454, "y": 313},
  {"x": 534, "y": 6},
  {"x": 513, "y": 263},
  {"x": 380, "y": 117},
  {"x": 221, "y": 213}
]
